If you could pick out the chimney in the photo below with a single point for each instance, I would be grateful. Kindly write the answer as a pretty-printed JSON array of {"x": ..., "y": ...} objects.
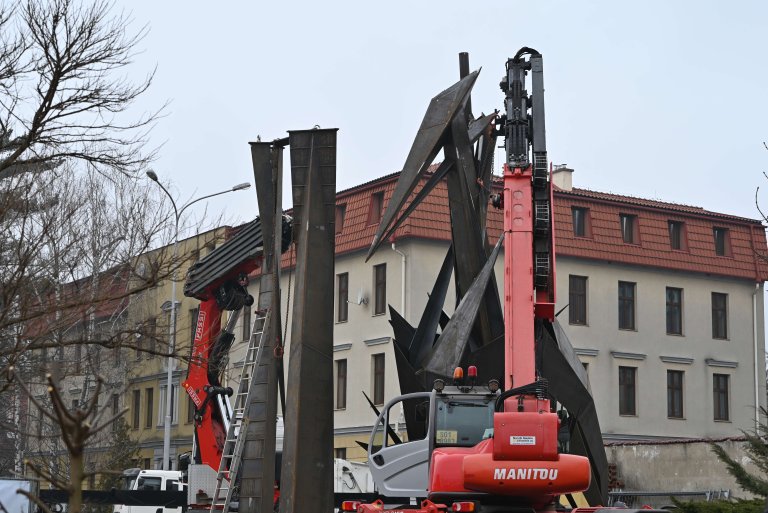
[{"x": 562, "y": 177}]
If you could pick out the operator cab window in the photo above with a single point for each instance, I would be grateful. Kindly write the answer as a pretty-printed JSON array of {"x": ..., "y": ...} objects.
[
  {"x": 149, "y": 483},
  {"x": 463, "y": 422}
]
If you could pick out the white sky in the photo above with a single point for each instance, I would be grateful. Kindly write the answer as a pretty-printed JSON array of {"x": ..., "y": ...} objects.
[{"x": 655, "y": 99}]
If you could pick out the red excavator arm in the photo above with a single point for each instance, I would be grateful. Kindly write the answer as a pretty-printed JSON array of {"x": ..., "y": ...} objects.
[{"x": 220, "y": 282}]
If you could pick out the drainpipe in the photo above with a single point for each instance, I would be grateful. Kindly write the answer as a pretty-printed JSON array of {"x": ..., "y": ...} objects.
[
  {"x": 757, "y": 359},
  {"x": 402, "y": 280}
]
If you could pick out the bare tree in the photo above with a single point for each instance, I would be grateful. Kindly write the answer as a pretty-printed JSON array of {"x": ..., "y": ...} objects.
[{"x": 63, "y": 93}]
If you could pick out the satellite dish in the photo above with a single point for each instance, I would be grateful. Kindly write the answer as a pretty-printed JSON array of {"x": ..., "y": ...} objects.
[{"x": 361, "y": 299}]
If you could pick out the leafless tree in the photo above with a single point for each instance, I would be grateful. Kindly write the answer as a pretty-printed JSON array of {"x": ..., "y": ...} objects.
[{"x": 63, "y": 90}]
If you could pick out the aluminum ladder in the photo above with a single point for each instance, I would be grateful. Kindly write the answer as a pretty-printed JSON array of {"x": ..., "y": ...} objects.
[{"x": 231, "y": 453}]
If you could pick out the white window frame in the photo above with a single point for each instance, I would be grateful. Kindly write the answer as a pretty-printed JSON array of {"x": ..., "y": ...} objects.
[{"x": 161, "y": 404}]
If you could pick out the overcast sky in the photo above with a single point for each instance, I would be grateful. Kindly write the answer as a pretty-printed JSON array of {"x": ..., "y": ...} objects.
[{"x": 656, "y": 99}]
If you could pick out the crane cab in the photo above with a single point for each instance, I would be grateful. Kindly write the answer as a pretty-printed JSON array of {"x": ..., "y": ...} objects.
[{"x": 448, "y": 416}]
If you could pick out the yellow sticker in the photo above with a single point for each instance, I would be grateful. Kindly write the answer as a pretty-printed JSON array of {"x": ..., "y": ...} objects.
[{"x": 446, "y": 436}]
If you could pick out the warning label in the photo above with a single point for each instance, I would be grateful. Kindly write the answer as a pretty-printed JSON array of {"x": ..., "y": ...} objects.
[{"x": 522, "y": 440}]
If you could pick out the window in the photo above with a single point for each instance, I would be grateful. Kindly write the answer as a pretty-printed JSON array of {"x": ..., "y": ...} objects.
[
  {"x": 149, "y": 395},
  {"x": 720, "y": 390},
  {"x": 376, "y": 207},
  {"x": 342, "y": 307},
  {"x": 135, "y": 408},
  {"x": 628, "y": 228},
  {"x": 577, "y": 299},
  {"x": 580, "y": 221},
  {"x": 674, "y": 311},
  {"x": 246, "y": 323},
  {"x": 341, "y": 210},
  {"x": 174, "y": 406},
  {"x": 378, "y": 378},
  {"x": 675, "y": 394},
  {"x": 190, "y": 410},
  {"x": 380, "y": 288},
  {"x": 341, "y": 384},
  {"x": 677, "y": 235},
  {"x": 626, "y": 305},
  {"x": 340, "y": 453},
  {"x": 627, "y": 381},
  {"x": 719, "y": 315},
  {"x": 193, "y": 313},
  {"x": 722, "y": 241}
]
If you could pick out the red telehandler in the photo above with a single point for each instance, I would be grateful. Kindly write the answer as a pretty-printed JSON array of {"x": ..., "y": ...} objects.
[{"x": 488, "y": 432}]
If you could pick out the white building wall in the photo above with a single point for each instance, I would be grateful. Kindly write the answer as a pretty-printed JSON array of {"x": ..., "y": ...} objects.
[{"x": 652, "y": 351}]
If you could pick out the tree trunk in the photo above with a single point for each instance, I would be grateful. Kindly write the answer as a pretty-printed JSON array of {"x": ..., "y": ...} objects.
[{"x": 76, "y": 483}]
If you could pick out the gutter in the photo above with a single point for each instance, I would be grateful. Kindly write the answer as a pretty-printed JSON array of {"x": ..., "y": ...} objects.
[
  {"x": 757, "y": 371},
  {"x": 402, "y": 279}
]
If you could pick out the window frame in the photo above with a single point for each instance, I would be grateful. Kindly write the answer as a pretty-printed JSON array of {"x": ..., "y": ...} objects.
[
  {"x": 580, "y": 223},
  {"x": 627, "y": 391},
  {"x": 380, "y": 289},
  {"x": 675, "y": 394},
  {"x": 721, "y": 397},
  {"x": 378, "y": 369},
  {"x": 631, "y": 302},
  {"x": 677, "y": 235},
  {"x": 342, "y": 297},
  {"x": 149, "y": 400},
  {"x": 722, "y": 243},
  {"x": 578, "y": 299},
  {"x": 174, "y": 404},
  {"x": 340, "y": 370},
  {"x": 340, "y": 214},
  {"x": 720, "y": 310},
  {"x": 136, "y": 409},
  {"x": 630, "y": 222},
  {"x": 375, "y": 208},
  {"x": 670, "y": 311}
]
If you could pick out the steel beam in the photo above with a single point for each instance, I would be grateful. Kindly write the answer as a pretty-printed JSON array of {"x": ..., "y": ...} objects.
[
  {"x": 258, "y": 458},
  {"x": 307, "y": 468}
]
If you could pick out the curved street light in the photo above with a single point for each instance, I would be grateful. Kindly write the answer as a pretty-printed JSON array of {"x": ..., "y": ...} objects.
[{"x": 172, "y": 331}]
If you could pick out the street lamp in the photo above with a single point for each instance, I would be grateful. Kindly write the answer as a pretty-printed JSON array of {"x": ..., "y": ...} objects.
[{"x": 174, "y": 305}]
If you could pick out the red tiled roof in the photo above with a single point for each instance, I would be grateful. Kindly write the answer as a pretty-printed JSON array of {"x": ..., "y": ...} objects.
[{"x": 431, "y": 220}]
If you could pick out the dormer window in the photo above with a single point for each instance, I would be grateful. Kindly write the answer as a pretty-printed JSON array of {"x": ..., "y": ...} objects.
[
  {"x": 580, "y": 221},
  {"x": 629, "y": 228},
  {"x": 341, "y": 211},
  {"x": 376, "y": 207},
  {"x": 677, "y": 235},
  {"x": 722, "y": 241}
]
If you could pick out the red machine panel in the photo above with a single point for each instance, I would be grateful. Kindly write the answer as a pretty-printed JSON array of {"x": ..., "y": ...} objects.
[{"x": 525, "y": 436}]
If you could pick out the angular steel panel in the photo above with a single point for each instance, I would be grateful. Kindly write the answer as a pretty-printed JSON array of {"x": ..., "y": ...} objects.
[
  {"x": 426, "y": 145},
  {"x": 452, "y": 343}
]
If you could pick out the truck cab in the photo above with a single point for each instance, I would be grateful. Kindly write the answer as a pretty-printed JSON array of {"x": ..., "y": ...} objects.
[
  {"x": 447, "y": 416},
  {"x": 150, "y": 480}
]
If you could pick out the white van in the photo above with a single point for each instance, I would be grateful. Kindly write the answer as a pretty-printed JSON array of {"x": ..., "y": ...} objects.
[{"x": 153, "y": 480}]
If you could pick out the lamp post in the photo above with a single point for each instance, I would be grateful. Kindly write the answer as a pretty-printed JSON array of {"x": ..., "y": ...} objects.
[{"x": 172, "y": 331}]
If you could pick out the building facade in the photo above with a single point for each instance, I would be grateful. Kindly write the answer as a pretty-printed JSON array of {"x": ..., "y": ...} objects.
[{"x": 663, "y": 303}]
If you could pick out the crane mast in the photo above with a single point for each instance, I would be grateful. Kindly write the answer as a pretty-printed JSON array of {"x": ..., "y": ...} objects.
[{"x": 529, "y": 290}]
